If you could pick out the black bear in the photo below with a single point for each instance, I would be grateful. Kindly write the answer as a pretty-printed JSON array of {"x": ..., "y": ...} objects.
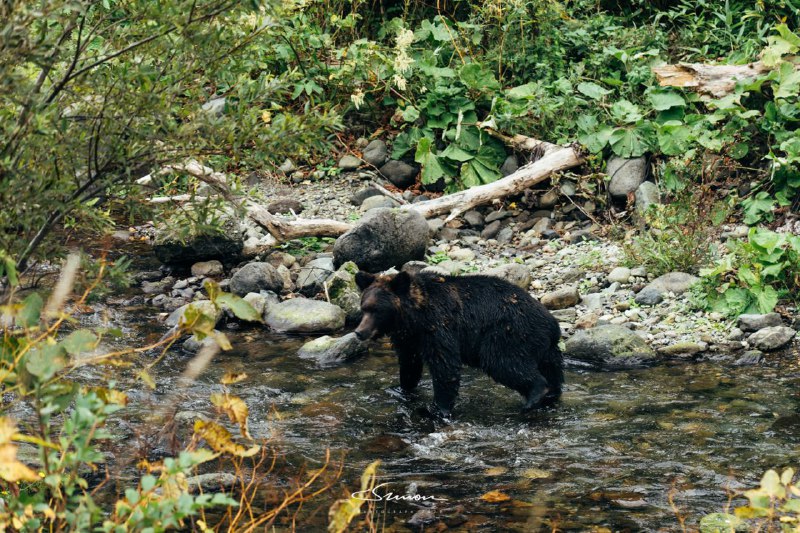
[{"x": 481, "y": 321}]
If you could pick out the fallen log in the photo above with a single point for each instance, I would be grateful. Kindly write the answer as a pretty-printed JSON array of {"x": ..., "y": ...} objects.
[
  {"x": 708, "y": 80},
  {"x": 554, "y": 160}
]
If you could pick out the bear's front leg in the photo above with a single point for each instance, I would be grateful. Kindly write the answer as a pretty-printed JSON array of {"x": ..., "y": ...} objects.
[
  {"x": 446, "y": 381},
  {"x": 410, "y": 370}
]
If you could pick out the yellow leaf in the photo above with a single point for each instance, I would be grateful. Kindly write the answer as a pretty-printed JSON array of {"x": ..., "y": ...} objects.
[
  {"x": 266, "y": 116},
  {"x": 496, "y": 471},
  {"x": 235, "y": 408},
  {"x": 221, "y": 340},
  {"x": 221, "y": 440},
  {"x": 535, "y": 473},
  {"x": 147, "y": 379},
  {"x": 495, "y": 496},
  {"x": 233, "y": 377},
  {"x": 11, "y": 470},
  {"x": 343, "y": 511}
]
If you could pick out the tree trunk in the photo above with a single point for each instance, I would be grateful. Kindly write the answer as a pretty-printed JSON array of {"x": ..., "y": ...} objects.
[{"x": 709, "y": 80}]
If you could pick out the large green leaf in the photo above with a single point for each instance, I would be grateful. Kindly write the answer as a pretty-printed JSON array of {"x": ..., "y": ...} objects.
[
  {"x": 30, "y": 311},
  {"x": 663, "y": 99},
  {"x": 592, "y": 90},
  {"x": 627, "y": 142},
  {"x": 789, "y": 84},
  {"x": 673, "y": 139},
  {"x": 239, "y": 307},
  {"x": 625, "y": 111},
  {"x": 79, "y": 341},
  {"x": 433, "y": 168},
  {"x": 44, "y": 360},
  {"x": 478, "y": 77}
]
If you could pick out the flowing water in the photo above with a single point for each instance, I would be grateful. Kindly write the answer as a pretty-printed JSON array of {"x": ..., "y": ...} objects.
[{"x": 611, "y": 455}]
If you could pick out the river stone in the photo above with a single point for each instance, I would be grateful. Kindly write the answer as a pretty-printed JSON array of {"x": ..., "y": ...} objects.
[
  {"x": 285, "y": 206},
  {"x": 343, "y": 291},
  {"x": 376, "y": 153},
  {"x": 771, "y": 338},
  {"x": 750, "y": 358},
  {"x": 328, "y": 351},
  {"x": 204, "y": 306},
  {"x": 156, "y": 287},
  {"x": 491, "y": 230},
  {"x": 561, "y": 298},
  {"x": 757, "y": 322},
  {"x": 626, "y": 175},
  {"x": 255, "y": 277},
  {"x": 473, "y": 218},
  {"x": 549, "y": 199},
  {"x": 383, "y": 238},
  {"x": 646, "y": 195},
  {"x": 649, "y": 296},
  {"x": 593, "y": 301},
  {"x": 212, "y": 482},
  {"x": 312, "y": 277},
  {"x": 172, "y": 249},
  {"x": 461, "y": 254},
  {"x": 685, "y": 348},
  {"x": 676, "y": 282},
  {"x": 541, "y": 225},
  {"x": 349, "y": 162},
  {"x": 619, "y": 275},
  {"x": 609, "y": 346},
  {"x": 362, "y": 194},
  {"x": 193, "y": 344},
  {"x": 301, "y": 315},
  {"x": 509, "y": 166},
  {"x": 206, "y": 269},
  {"x": 374, "y": 202},
  {"x": 514, "y": 273},
  {"x": 402, "y": 175},
  {"x": 258, "y": 301},
  {"x": 287, "y": 167}
]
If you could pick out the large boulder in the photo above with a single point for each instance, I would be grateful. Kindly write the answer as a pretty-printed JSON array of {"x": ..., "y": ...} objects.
[
  {"x": 402, "y": 175},
  {"x": 383, "y": 238},
  {"x": 647, "y": 194},
  {"x": 376, "y": 153},
  {"x": 256, "y": 277},
  {"x": 771, "y": 338},
  {"x": 174, "y": 249},
  {"x": 626, "y": 176},
  {"x": 343, "y": 291},
  {"x": 561, "y": 298},
  {"x": 675, "y": 282},
  {"x": 300, "y": 315},
  {"x": 609, "y": 346},
  {"x": 757, "y": 322},
  {"x": 312, "y": 277},
  {"x": 328, "y": 351}
]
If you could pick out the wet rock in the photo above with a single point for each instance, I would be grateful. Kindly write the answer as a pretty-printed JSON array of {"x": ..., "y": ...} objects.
[
  {"x": 581, "y": 235},
  {"x": 256, "y": 277},
  {"x": 260, "y": 301},
  {"x": 213, "y": 482},
  {"x": 649, "y": 296},
  {"x": 375, "y": 202},
  {"x": 156, "y": 287},
  {"x": 609, "y": 346},
  {"x": 683, "y": 349},
  {"x": 626, "y": 176},
  {"x": 505, "y": 235},
  {"x": 646, "y": 195},
  {"x": 400, "y": 174},
  {"x": 376, "y": 153},
  {"x": 509, "y": 166},
  {"x": 561, "y": 298},
  {"x": 473, "y": 218},
  {"x": 277, "y": 258},
  {"x": 565, "y": 315},
  {"x": 461, "y": 254},
  {"x": 549, "y": 199},
  {"x": 514, "y": 273},
  {"x": 593, "y": 301},
  {"x": 300, "y": 315},
  {"x": 587, "y": 321},
  {"x": 226, "y": 246},
  {"x": 735, "y": 334},
  {"x": 491, "y": 230},
  {"x": 148, "y": 275},
  {"x": 771, "y": 338},
  {"x": 329, "y": 351},
  {"x": 349, "y": 162},
  {"x": 675, "y": 282},
  {"x": 312, "y": 277},
  {"x": 757, "y": 322},
  {"x": 383, "y": 238},
  {"x": 542, "y": 225},
  {"x": 193, "y": 344},
  {"x": 206, "y": 269},
  {"x": 422, "y": 518},
  {"x": 204, "y": 306},
  {"x": 343, "y": 291},
  {"x": 750, "y": 358},
  {"x": 362, "y": 194},
  {"x": 286, "y": 276},
  {"x": 285, "y": 206},
  {"x": 619, "y": 275},
  {"x": 497, "y": 215}
]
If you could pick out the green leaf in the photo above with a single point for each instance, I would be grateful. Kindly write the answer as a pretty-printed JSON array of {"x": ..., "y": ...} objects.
[
  {"x": 789, "y": 81},
  {"x": 593, "y": 90},
  {"x": 627, "y": 142},
  {"x": 432, "y": 168},
  {"x": 477, "y": 173},
  {"x": 44, "y": 360},
  {"x": 456, "y": 154},
  {"x": 521, "y": 92},
  {"x": 625, "y": 111},
  {"x": 673, "y": 139},
  {"x": 771, "y": 485},
  {"x": 756, "y": 207},
  {"x": 663, "y": 99},
  {"x": 721, "y": 523},
  {"x": 765, "y": 239},
  {"x": 239, "y": 307},
  {"x": 766, "y": 298},
  {"x": 31, "y": 311},
  {"x": 410, "y": 114},
  {"x": 477, "y": 77},
  {"x": 79, "y": 341}
]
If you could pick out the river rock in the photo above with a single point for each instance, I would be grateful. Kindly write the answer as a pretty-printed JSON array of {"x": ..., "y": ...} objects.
[
  {"x": 402, "y": 175},
  {"x": 676, "y": 282},
  {"x": 343, "y": 291},
  {"x": 649, "y": 296},
  {"x": 312, "y": 276},
  {"x": 301, "y": 315},
  {"x": 609, "y": 346},
  {"x": 260, "y": 301},
  {"x": 549, "y": 199},
  {"x": 771, "y": 338},
  {"x": 757, "y": 322},
  {"x": 328, "y": 351},
  {"x": 376, "y": 153},
  {"x": 514, "y": 273},
  {"x": 383, "y": 238},
  {"x": 204, "y": 306},
  {"x": 750, "y": 358},
  {"x": 255, "y": 277},
  {"x": 349, "y": 162},
  {"x": 509, "y": 166},
  {"x": 362, "y": 194},
  {"x": 473, "y": 218},
  {"x": 626, "y": 175},
  {"x": 541, "y": 225},
  {"x": 193, "y": 344},
  {"x": 285, "y": 206},
  {"x": 683, "y": 349},
  {"x": 212, "y": 482},
  {"x": 375, "y": 202},
  {"x": 206, "y": 269},
  {"x": 646, "y": 195},
  {"x": 171, "y": 248},
  {"x": 157, "y": 287},
  {"x": 461, "y": 254},
  {"x": 287, "y": 167},
  {"x": 561, "y": 298},
  {"x": 619, "y": 275}
]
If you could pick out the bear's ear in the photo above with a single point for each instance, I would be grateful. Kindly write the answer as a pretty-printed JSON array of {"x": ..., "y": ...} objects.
[
  {"x": 400, "y": 283},
  {"x": 364, "y": 279}
]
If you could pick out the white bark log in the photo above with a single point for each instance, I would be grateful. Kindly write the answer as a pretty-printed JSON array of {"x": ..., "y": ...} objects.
[{"x": 708, "y": 80}]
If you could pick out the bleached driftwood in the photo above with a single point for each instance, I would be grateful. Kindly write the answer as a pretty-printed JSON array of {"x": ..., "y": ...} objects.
[
  {"x": 555, "y": 159},
  {"x": 708, "y": 80}
]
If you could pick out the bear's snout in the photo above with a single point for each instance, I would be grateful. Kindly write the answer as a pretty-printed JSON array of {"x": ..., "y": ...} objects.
[{"x": 366, "y": 329}]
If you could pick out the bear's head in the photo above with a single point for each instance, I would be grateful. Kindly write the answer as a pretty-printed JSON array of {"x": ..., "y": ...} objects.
[{"x": 381, "y": 303}]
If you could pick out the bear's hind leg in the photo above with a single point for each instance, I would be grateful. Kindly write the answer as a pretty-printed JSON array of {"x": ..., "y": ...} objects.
[{"x": 524, "y": 377}]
